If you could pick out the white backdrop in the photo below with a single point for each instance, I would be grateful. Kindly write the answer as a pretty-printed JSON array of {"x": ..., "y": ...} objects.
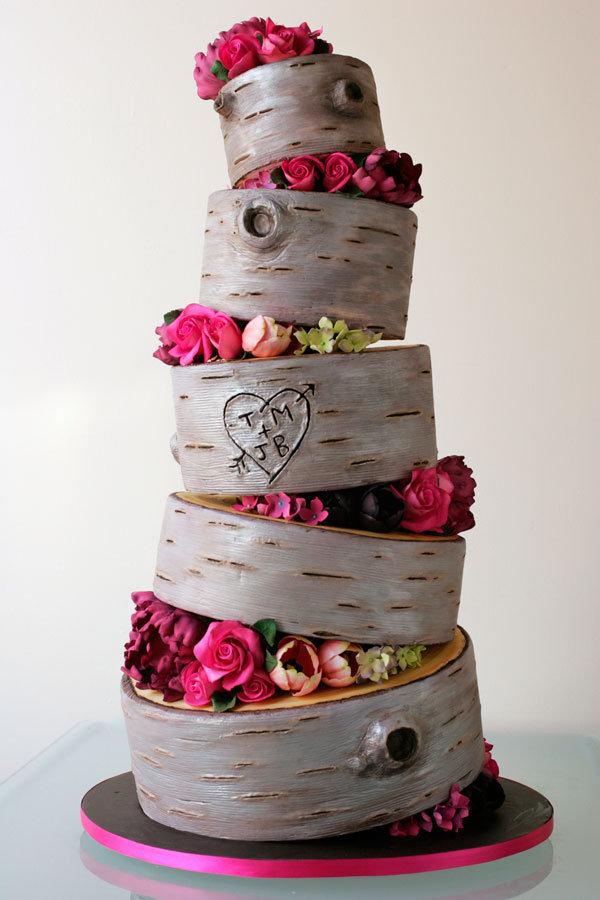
[{"x": 107, "y": 161}]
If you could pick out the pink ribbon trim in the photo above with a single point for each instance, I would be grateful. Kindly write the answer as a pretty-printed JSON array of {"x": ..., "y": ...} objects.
[{"x": 315, "y": 868}]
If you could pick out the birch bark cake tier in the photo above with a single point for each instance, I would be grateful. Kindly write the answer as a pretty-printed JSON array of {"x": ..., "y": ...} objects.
[
  {"x": 286, "y": 250},
  {"x": 312, "y": 769},
  {"x": 295, "y": 107},
  {"x": 323, "y": 582},
  {"x": 320, "y": 422}
]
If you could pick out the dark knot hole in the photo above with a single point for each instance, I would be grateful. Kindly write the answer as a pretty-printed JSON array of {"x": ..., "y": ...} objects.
[
  {"x": 259, "y": 221},
  {"x": 354, "y": 91},
  {"x": 401, "y": 744}
]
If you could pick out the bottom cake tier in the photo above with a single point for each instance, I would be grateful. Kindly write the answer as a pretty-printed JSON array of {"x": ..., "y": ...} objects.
[{"x": 313, "y": 766}]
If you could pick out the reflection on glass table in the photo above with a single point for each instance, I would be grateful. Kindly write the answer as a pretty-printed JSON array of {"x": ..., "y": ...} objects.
[{"x": 47, "y": 855}]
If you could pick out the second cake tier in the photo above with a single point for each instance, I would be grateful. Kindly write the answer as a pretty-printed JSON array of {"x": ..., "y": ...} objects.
[{"x": 317, "y": 422}]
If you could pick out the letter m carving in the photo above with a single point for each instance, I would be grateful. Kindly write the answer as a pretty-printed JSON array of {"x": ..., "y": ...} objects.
[{"x": 283, "y": 412}]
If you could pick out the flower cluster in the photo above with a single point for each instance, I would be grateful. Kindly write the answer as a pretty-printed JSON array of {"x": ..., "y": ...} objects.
[
  {"x": 251, "y": 43},
  {"x": 481, "y": 797},
  {"x": 161, "y": 644},
  {"x": 284, "y": 506},
  {"x": 378, "y": 663},
  {"x": 379, "y": 175},
  {"x": 329, "y": 337},
  {"x": 185, "y": 656},
  {"x": 437, "y": 500},
  {"x": 198, "y": 334}
]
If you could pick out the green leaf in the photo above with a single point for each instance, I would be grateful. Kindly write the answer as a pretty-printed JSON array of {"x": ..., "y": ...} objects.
[
  {"x": 358, "y": 158},
  {"x": 270, "y": 661},
  {"x": 172, "y": 315},
  {"x": 277, "y": 176},
  {"x": 219, "y": 70},
  {"x": 353, "y": 191},
  {"x": 223, "y": 700},
  {"x": 268, "y": 629}
]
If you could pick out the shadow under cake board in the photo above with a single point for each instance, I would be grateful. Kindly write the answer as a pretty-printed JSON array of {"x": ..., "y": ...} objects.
[{"x": 111, "y": 815}]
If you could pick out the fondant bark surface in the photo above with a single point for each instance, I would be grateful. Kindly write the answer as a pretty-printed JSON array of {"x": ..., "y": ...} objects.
[
  {"x": 316, "y": 581},
  {"x": 296, "y": 256}
]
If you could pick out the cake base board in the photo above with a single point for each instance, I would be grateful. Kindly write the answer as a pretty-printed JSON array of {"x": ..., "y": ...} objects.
[{"x": 112, "y": 816}]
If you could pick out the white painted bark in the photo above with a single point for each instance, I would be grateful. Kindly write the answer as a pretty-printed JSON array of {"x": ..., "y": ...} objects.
[
  {"x": 297, "y": 256},
  {"x": 319, "y": 770},
  {"x": 331, "y": 421},
  {"x": 305, "y": 105},
  {"x": 317, "y": 581}
]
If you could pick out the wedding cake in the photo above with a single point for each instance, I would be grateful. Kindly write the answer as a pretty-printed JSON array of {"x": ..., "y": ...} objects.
[{"x": 298, "y": 671}]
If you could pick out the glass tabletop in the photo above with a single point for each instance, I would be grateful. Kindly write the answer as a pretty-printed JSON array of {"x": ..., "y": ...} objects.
[{"x": 45, "y": 853}]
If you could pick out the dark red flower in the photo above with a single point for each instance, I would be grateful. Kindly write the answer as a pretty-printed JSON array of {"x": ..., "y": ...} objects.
[
  {"x": 460, "y": 518},
  {"x": 161, "y": 644},
  {"x": 391, "y": 176}
]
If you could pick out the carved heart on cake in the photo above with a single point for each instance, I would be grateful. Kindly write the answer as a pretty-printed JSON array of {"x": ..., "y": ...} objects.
[{"x": 268, "y": 431}]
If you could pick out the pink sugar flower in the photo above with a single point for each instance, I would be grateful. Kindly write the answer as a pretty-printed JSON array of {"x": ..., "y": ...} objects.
[
  {"x": 426, "y": 500},
  {"x": 248, "y": 503},
  {"x": 411, "y": 826},
  {"x": 258, "y": 687},
  {"x": 198, "y": 689},
  {"x": 260, "y": 179},
  {"x": 224, "y": 335},
  {"x": 264, "y": 338},
  {"x": 449, "y": 815},
  {"x": 230, "y": 653},
  {"x": 189, "y": 336},
  {"x": 276, "y": 506},
  {"x": 297, "y": 668},
  {"x": 338, "y": 662},
  {"x": 239, "y": 53},
  {"x": 281, "y": 42},
  {"x": 313, "y": 514},
  {"x": 296, "y": 504},
  {"x": 490, "y": 765}
]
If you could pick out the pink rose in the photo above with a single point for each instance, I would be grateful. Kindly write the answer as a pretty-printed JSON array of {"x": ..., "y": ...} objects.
[
  {"x": 281, "y": 42},
  {"x": 264, "y": 338},
  {"x": 338, "y": 663},
  {"x": 162, "y": 352},
  {"x": 391, "y": 176},
  {"x": 230, "y": 653},
  {"x": 198, "y": 689},
  {"x": 339, "y": 169},
  {"x": 258, "y": 687},
  {"x": 207, "y": 84},
  {"x": 460, "y": 517},
  {"x": 297, "y": 668},
  {"x": 239, "y": 53},
  {"x": 426, "y": 501},
  {"x": 259, "y": 179},
  {"x": 189, "y": 336},
  {"x": 303, "y": 173},
  {"x": 225, "y": 336}
]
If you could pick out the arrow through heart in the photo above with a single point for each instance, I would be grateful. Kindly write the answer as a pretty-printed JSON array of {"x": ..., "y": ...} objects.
[{"x": 269, "y": 431}]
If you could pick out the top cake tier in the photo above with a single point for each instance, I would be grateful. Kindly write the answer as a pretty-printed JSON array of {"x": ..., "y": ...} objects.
[{"x": 303, "y": 105}]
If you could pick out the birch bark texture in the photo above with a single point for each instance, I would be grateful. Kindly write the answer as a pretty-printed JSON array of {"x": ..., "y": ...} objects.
[
  {"x": 297, "y": 256},
  {"x": 319, "y": 770},
  {"x": 318, "y": 422},
  {"x": 305, "y": 105},
  {"x": 317, "y": 581}
]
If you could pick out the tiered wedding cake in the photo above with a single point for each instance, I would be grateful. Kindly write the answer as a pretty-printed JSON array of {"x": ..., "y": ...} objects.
[{"x": 298, "y": 671}]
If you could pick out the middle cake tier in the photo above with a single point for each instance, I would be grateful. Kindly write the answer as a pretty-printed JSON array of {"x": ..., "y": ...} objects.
[
  {"x": 323, "y": 582},
  {"x": 316, "y": 422}
]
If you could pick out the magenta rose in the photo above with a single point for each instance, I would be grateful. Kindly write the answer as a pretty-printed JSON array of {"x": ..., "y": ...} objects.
[
  {"x": 230, "y": 653},
  {"x": 162, "y": 352},
  {"x": 460, "y": 517},
  {"x": 225, "y": 336},
  {"x": 239, "y": 53},
  {"x": 188, "y": 334},
  {"x": 258, "y": 687},
  {"x": 339, "y": 169},
  {"x": 303, "y": 173},
  {"x": 207, "y": 84},
  {"x": 390, "y": 176},
  {"x": 426, "y": 500},
  {"x": 198, "y": 689},
  {"x": 281, "y": 42}
]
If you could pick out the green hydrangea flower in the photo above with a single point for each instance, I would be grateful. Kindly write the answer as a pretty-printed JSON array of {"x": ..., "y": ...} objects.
[
  {"x": 328, "y": 337},
  {"x": 378, "y": 663}
]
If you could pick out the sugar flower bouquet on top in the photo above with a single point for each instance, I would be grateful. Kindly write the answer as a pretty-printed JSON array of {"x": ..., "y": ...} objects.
[
  {"x": 379, "y": 175},
  {"x": 254, "y": 42}
]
